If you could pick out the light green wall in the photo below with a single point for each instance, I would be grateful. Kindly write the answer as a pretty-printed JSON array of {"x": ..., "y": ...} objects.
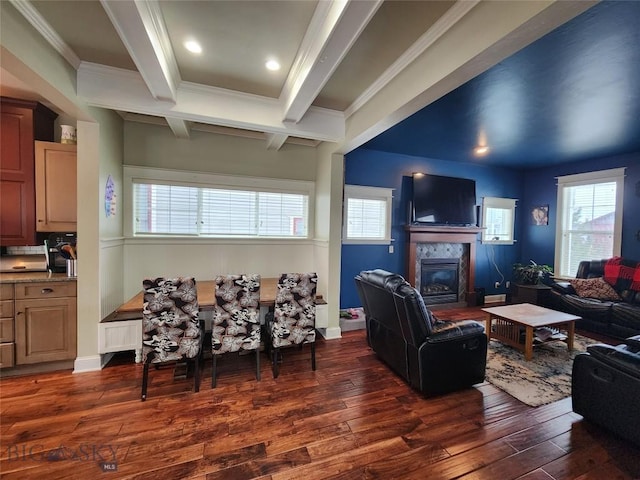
[
  {"x": 111, "y": 160},
  {"x": 156, "y": 146}
]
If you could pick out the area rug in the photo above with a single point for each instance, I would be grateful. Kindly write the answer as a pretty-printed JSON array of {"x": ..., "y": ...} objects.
[{"x": 544, "y": 379}]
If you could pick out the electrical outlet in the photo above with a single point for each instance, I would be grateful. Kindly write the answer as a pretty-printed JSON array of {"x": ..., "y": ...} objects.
[
  {"x": 497, "y": 285},
  {"x": 507, "y": 284}
]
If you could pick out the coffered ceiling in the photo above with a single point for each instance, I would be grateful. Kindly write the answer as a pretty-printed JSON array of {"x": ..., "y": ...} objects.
[{"x": 349, "y": 69}]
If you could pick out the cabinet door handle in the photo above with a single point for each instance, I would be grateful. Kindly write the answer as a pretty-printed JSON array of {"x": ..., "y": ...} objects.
[{"x": 47, "y": 290}]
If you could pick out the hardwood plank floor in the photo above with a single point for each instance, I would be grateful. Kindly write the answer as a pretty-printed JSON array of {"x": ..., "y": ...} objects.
[{"x": 351, "y": 419}]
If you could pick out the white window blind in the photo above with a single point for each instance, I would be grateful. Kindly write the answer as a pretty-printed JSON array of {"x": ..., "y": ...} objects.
[
  {"x": 498, "y": 215},
  {"x": 367, "y": 214},
  {"x": 366, "y": 218},
  {"x": 589, "y": 219},
  {"x": 161, "y": 209}
]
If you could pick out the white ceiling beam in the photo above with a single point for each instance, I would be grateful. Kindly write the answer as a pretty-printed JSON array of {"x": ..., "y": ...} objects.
[
  {"x": 119, "y": 89},
  {"x": 141, "y": 27},
  {"x": 179, "y": 127},
  {"x": 334, "y": 28},
  {"x": 275, "y": 141}
]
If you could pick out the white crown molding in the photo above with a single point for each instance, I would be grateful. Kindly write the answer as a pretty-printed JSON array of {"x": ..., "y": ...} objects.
[
  {"x": 439, "y": 28},
  {"x": 48, "y": 33}
]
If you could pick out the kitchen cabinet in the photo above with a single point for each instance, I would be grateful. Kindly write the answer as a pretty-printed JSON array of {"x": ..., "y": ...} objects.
[
  {"x": 55, "y": 177},
  {"x": 7, "y": 337},
  {"x": 23, "y": 122},
  {"x": 45, "y": 322}
]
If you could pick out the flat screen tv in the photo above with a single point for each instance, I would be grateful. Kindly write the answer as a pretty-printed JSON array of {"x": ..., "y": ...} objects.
[{"x": 439, "y": 200}]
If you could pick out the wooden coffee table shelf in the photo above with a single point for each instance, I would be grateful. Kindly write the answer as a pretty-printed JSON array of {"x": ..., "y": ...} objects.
[{"x": 506, "y": 322}]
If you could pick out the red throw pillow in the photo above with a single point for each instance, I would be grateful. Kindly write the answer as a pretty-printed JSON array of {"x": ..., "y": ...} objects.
[
  {"x": 622, "y": 274},
  {"x": 594, "y": 288}
]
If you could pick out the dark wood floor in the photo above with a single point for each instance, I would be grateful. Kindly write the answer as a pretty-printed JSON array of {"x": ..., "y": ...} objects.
[{"x": 350, "y": 419}]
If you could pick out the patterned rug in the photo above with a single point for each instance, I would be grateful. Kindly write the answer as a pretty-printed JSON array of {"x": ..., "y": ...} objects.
[{"x": 544, "y": 379}]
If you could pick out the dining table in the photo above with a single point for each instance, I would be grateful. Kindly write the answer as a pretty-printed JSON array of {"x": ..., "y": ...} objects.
[{"x": 132, "y": 308}]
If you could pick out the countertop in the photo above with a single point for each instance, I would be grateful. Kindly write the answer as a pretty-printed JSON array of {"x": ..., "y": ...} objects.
[{"x": 32, "y": 277}]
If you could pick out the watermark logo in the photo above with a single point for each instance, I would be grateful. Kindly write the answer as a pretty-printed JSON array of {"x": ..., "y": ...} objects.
[{"x": 103, "y": 454}]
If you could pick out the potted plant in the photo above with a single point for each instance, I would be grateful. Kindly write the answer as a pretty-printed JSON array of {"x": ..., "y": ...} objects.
[{"x": 530, "y": 274}]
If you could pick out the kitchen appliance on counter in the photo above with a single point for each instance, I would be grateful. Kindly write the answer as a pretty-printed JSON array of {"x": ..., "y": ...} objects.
[
  {"x": 57, "y": 250},
  {"x": 23, "y": 263}
]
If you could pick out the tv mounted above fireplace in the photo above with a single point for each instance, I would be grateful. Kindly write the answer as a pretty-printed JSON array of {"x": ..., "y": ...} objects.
[{"x": 439, "y": 200}]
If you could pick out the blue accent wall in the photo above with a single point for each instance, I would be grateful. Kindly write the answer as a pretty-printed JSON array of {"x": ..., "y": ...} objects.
[
  {"x": 538, "y": 242},
  {"x": 530, "y": 187},
  {"x": 382, "y": 169}
]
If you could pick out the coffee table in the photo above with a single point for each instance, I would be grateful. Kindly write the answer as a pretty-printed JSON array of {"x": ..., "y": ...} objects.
[{"x": 506, "y": 322}]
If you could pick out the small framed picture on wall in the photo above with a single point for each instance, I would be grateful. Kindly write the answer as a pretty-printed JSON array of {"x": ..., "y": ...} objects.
[{"x": 540, "y": 215}]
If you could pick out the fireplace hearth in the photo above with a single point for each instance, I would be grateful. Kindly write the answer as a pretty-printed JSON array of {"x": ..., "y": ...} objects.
[{"x": 439, "y": 280}]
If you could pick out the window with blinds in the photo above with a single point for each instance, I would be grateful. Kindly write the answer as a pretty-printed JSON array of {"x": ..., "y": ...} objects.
[
  {"x": 367, "y": 214},
  {"x": 589, "y": 218},
  {"x": 162, "y": 209},
  {"x": 498, "y": 216}
]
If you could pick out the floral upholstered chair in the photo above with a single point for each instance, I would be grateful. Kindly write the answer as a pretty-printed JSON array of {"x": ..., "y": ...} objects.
[
  {"x": 294, "y": 317},
  {"x": 171, "y": 331},
  {"x": 236, "y": 318}
]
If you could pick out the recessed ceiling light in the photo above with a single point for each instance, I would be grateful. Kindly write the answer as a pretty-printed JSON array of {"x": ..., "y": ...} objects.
[
  {"x": 481, "y": 150},
  {"x": 193, "y": 46},
  {"x": 272, "y": 65}
]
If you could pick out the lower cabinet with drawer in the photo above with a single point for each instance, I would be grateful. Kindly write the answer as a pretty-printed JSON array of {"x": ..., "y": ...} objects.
[
  {"x": 7, "y": 331},
  {"x": 45, "y": 322}
]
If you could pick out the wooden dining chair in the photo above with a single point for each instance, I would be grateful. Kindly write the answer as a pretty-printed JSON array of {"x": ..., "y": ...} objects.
[
  {"x": 294, "y": 317},
  {"x": 171, "y": 331},
  {"x": 236, "y": 318}
]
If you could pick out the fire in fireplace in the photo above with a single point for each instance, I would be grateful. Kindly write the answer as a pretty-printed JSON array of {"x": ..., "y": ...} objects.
[{"x": 439, "y": 280}]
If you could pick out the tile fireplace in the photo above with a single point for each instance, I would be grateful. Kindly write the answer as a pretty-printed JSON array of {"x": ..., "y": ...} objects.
[
  {"x": 455, "y": 246},
  {"x": 439, "y": 280}
]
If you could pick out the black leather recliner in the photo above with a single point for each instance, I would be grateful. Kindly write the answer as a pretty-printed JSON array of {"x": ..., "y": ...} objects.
[
  {"x": 433, "y": 356},
  {"x": 606, "y": 387}
]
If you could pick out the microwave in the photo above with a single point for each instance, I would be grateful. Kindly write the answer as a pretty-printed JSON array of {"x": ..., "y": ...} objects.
[{"x": 56, "y": 262}]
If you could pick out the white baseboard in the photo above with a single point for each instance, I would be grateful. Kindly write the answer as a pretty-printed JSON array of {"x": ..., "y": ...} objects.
[
  {"x": 495, "y": 298},
  {"x": 87, "y": 364},
  {"x": 331, "y": 333}
]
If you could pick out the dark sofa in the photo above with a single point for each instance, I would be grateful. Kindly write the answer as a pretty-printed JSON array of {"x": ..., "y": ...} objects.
[
  {"x": 433, "y": 356},
  {"x": 606, "y": 387},
  {"x": 616, "y": 317}
]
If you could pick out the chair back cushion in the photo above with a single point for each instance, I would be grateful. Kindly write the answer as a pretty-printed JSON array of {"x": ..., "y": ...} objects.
[
  {"x": 414, "y": 315},
  {"x": 391, "y": 301},
  {"x": 294, "y": 316},
  {"x": 170, "y": 328},
  {"x": 236, "y": 315}
]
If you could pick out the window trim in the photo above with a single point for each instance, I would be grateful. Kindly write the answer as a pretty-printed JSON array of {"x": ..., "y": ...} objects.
[
  {"x": 601, "y": 176},
  {"x": 502, "y": 203},
  {"x": 135, "y": 174},
  {"x": 363, "y": 192}
]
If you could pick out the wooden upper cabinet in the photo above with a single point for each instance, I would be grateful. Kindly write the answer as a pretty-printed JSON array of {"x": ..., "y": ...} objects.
[
  {"x": 23, "y": 122},
  {"x": 56, "y": 203}
]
